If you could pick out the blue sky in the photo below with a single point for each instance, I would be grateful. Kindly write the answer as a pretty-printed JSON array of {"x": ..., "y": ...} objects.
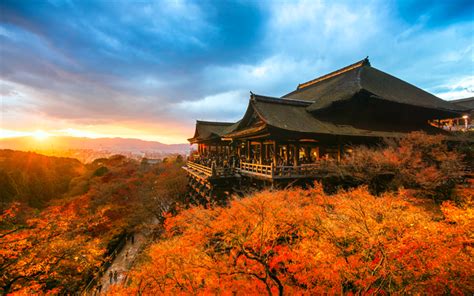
[{"x": 149, "y": 69}]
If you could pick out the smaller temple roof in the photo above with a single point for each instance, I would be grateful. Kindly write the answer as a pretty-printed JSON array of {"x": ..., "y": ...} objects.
[{"x": 210, "y": 130}]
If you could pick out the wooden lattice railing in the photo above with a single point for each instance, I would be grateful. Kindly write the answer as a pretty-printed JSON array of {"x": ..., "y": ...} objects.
[
  {"x": 200, "y": 168},
  {"x": 256, "y": 168},
  {"x": 304, "y": 170},
  {"x": 263, "y": 170},
  {"x": 210, "y": 171}
]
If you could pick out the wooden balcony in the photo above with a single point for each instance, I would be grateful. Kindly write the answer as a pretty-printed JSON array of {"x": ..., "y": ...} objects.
[
  {"x": 261, "y": 171},
  {"x": 279, "y": 172},
  {"x": 206, "y": 172}
]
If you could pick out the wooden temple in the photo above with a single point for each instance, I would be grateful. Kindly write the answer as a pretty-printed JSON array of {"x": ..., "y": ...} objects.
[
  {"x": 279, "y": 140},
  {"x": 461, "y": 123}
]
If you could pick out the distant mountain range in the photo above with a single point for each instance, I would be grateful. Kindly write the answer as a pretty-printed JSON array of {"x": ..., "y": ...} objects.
[{"x": 117, "y": 145}]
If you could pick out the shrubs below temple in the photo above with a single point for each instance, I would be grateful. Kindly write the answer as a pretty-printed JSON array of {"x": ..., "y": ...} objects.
[
  {"x": 418, "y": 161},
  {"x": 304, "y": 241}
]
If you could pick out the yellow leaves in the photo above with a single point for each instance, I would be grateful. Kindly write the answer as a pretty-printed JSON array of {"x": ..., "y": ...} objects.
[{"x": 462, "y": 216}]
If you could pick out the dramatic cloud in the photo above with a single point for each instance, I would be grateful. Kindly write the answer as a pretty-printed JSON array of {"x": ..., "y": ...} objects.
[{"x": 148, "y": 69}]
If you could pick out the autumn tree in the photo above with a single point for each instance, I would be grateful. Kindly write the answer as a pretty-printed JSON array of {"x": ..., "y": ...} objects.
[
  {"x": 417, "y": 161},
  {"x": 49, "y": 251},
  {"x": 60, "y": 246},
  {"x": 305, "y": 242}
]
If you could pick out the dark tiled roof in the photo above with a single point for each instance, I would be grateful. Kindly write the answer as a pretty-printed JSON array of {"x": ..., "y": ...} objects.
[
  {"x": 210, "y": 130},
  {"x": 292, "y": 116},
  {"x": 358, "y": 64},
  {"x": 466, "y": 103},
  {"x": 346, "y": 82}
]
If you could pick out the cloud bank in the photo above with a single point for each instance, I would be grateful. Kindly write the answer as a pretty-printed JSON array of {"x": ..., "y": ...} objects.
[{"x": 149, "y": 69}]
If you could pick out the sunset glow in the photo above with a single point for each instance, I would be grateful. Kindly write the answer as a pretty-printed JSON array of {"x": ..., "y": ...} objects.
[
  {"x": 97, "y": 79},
  {"x": 147, "y": 134},
  {"x": 40, "y": 135}
]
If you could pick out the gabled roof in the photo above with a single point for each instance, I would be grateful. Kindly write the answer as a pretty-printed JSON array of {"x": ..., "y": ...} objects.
[
  {"x": 344, "y": 83},
  {"x": 358, "y": 64},
  {"x": 466, "y": 103},
  {"x": 210, "y": 130},
  {"x": 291, "y": 115}
]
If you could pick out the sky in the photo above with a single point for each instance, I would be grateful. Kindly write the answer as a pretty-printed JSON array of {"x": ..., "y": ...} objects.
[{"x": 149, "y": 69}]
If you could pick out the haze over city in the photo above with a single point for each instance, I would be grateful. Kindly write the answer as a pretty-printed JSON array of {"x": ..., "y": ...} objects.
[{"x": 117, "y": 69}]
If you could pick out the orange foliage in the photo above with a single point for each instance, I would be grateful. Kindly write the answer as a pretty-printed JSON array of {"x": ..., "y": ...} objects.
[
  {"x": 305, "y": 242},
  {"x": 52, "y": 250},
  {"x": 417, "y": 161},
  {"x": 58, "y": 249}
]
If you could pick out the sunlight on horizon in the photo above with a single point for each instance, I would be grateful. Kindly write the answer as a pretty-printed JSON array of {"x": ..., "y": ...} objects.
[{"x": 42, "y": 135}]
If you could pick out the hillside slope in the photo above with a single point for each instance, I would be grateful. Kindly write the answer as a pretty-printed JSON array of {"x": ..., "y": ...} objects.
[{"x": 34, "y": 178}]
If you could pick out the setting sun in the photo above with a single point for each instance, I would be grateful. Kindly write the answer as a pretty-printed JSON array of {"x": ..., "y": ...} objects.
[{"x": 40, "y": 135}]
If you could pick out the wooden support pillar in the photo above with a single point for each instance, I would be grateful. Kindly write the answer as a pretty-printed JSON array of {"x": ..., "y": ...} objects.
[
  {"x": 296, "y": 154},
  {"x": 260, "y": 158},
  {"x": 248, "y": 151},
  {"x": 275, "y": 146},
  {"x": 307, "y": 153},
  {"x": 339, "y": 147},
  {"x": 267, "y": 152},
  {"x": 287, "y": 150}
]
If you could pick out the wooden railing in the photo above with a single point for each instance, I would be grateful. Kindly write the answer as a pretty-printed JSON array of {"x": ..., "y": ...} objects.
[
  {"x": 304, "y": 170},
  {"x": 211, "y": 171},
  {"x": 262, "y": 170},
  {"x": 270, "y": 171},
  {"x": 200, "y": 168},
  {"x": 256, "y": 168}
]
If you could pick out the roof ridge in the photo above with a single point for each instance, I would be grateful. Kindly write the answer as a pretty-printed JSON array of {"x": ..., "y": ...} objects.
[
  {"x": 214, "y": 122},
  {"x": 279, "y": 100},
  {"x": 358, "y": 64},
  {"x": 461, "y": 100}
]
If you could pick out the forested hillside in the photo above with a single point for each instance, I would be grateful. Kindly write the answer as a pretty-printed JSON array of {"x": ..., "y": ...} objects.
[
  {"x": 56, "y": 239},
  {"x": 33, "y": 178}
]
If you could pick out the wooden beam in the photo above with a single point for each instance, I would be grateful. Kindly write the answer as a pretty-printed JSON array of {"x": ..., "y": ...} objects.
[
  {"x": 338, "y": 152},
  {"x": 296, "y": 156},
  {"x": 275, "y": 146},
  {"x": 248, "y": 150},
  {"x": 267, "y": 151},
  {"x": 309, "y": 141}
]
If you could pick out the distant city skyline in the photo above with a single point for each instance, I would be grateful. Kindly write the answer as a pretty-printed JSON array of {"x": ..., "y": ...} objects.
[{"x": 149, "y": 69}]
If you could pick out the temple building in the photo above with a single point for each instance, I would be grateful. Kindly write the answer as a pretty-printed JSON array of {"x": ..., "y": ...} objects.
[
  {"x": 464, "y": 121},
  {"x": 282, "y": 139}
]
